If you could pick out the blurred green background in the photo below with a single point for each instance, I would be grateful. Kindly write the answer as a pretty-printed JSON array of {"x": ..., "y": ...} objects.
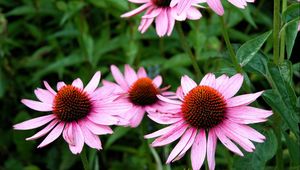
[{"x": 61, "y": 40}]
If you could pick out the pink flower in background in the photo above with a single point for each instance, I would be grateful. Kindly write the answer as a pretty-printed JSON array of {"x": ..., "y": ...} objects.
[
  {"x": 163, "y": 13},
  {"x": 217, "y": 6},
  {"x": 78, "y": 113},
  {"x": 138, "y": 90},
  {"x": 206, "y": 112}
]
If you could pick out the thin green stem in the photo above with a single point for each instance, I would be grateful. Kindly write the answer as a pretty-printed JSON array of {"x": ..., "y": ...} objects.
[
  {"x": 84, "y": 160},
  {"x": 282, "y": 38},
  {"x": 229, "y": 46},
  {"x": 189, "y": 52},
  {"x": 276, "y": 28}
]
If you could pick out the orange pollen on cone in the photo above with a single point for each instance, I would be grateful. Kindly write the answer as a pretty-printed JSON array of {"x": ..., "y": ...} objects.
[
  {"x": 162, "y": 3},
  {"x": 143, "y": 92},
  {"x": 203, "y": 107},
  {"x": 71, "y": 104}
]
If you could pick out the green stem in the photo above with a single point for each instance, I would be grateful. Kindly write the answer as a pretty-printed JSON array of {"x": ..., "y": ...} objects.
[
  {"x": 276, "y": 28},
  {"x": 188, "y": 50},
  {"x": 84, "y": 160},
  {"x": 233, "y": 57},
  {"x": 282, "y": 38}
]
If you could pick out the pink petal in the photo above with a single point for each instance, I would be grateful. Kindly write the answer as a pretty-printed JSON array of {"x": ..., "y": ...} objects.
[
  {"x": 157, "y": 81},
  {"x": 54, "y": 134},
  {"x": 60, "y": 85},
  {"x": 198, "y": 150},
  {"x": 165, "y": 130},
  {"x": 193, "y": 14},
  {"x": 137, "y": 118},
  {"x": 90, "y": 139},
  {"x": 77, "y": 83},
  {"x": 247, "y": 112},
  {"x": 180, "y": 145},
  {"x": 97, "y": 129},
  {"x": 119, "y": 77},
  {"x": 115, "y": 108},
  {"x": 171, "y": 23},
  {"x": 243, "y": 99},
  {"x": 187, "y": 84},
  {"x": 136, "y": 11},
  {"x": 39, "y": 106},
  {"x": 227, "y": 142},
  {"x": 211, "y": 149},
  {"x": 179, "y": 93},
  {"x": 130, "y": 75},
  {"x": 94, "y": 82},
  {"x": 43, "y": 131},
  {"x": 162, "y": 98},
  {"x": 209, "y": 80},
  {"x": 141, "y": 72},
  {"x": 184, "y": 6},
  {"x": 68, "y": 134},
  {"x": 44, "y": 95},
  {"x": 161, "y": 23},
  {"x": 164, "y": 118},
  {"x": 169, "y": 137},
  {"x": 220, "y": 81},
  {"x": 216, "y": 6},
  {"x": 103, "y": 119},
  {"x": 187, "y": 146},
  {"x": 232, "y": 86},
  {"x": 78, "y": 139},
  {"x": 237, "y": 3},
  {"x": 34, "y": 123},
  {"x": 48, "y": 87}
]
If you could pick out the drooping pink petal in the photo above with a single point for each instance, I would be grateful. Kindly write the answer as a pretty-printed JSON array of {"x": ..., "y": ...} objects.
[
  {"x": 187, "y": 146},
  {"x": 96, "y": 128},
  {"x": 198, "y": 151},
  {"x": 35, "y": 105},
  {"x": 94, "y": 82},
  {"x": 161, "y": 22},
  {"x": 248, "y": 113},
  {"x": 180, "y": 145},
  {"x": 68, "y": 134},
  {"x": 243, "y": 99},
  {"x": 171, "y": 23},
  {"x": 162, "y": 98},
  {"x": 78, "y": 139},
  {"x": 211, "y": 149},
  {"x": 136, "y": 11},
  {"x": 44, "y": 95},
  {"x": 34, "y": 123},
  {"x": 90, "y": 139},
  {"x": 164, "y": 118},
  {"x": 103, "y": 119},
  {"x": 77, "y": 83},
  {"x": 165, "y": 130},
  {"x": 216, "y": 6},
  {"x": 54, "y": 134},
  {"x": 187, "y": 84},
  {"x": 193, "y": 14},
  {"x": 137, "y": 118},
  {"x": 237, "y": 3},
  {"x": 170, "y": 137},
  {"x": 227, "y": 142},
  {"x": 44, "y": 131}
]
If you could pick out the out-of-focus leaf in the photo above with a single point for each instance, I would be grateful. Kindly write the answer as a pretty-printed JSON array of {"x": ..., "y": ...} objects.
[
  {"x": 247, "y": 14},
  {"x": 2, "y": 83},
  {"x": 248, "y": 50},
  {"x": 258, "y": 159},
  {"x": 118, "y": 133},
  {"x": 21, "y": 10},
  {"x": 293, "y": 146},
  {"x": 31, "y": 167}
]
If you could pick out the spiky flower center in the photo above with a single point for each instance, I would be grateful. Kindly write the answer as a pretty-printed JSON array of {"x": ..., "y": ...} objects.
[
  {"x": 143, "y": 92},
  {"x": 162, "y": 3},
  {"x": 71, "y": 104},
  {"x": 203, "y": 107}
]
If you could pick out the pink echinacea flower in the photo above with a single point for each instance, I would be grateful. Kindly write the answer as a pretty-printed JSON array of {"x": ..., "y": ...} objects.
[
  {"x": 206, "y": 112},
  {"x": 163, "y": 13},
  {"x": 78, "y": 113},
  {"x": 139, "y": 91}
]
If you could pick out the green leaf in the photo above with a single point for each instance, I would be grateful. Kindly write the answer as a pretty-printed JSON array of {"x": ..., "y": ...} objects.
[
  {"x": 279, "y": 106},
  {"x": 259, "y": 64},
  {"x": 258, "y": 159},
  {"x": 118, "y": 133},
  {"x": 293, "y": 147},
  {"x": 248, "y": 50}
]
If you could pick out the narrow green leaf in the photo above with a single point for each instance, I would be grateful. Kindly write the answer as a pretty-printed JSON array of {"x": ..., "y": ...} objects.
[{"x": 248, "y": 50}]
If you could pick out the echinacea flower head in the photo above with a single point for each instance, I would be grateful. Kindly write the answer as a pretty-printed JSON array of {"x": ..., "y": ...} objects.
[
  {"x": 78, "y": 113},
  {"x": 139, "y": 91},
  {"x": 217, "y": 6},
  {"x": 164, "y": 13},
  {"x": 206, "y": 112}
]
